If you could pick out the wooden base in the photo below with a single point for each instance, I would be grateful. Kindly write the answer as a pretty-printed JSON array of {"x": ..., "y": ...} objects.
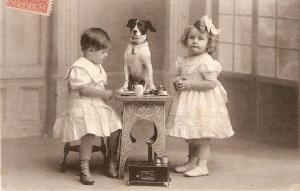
[{"x": 145, "y": 173}]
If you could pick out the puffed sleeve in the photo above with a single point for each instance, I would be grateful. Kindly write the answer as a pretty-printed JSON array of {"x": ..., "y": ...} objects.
[
  {"x": 78, "y": 78},
  {"x": 210, "y": 70}
]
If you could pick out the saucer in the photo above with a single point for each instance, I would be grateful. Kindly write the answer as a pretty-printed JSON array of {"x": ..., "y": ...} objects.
[
  {"x": 128, "y": 93},
  {"x": 163, "y": 94}
]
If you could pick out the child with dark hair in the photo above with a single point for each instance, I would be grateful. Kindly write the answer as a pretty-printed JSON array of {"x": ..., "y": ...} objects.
[
  {"x": 198, "y": 112},
  {"x": 87, "y": 114}
]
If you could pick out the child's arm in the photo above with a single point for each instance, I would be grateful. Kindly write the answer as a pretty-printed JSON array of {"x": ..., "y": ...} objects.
[
  {"x": 210, "y": 71},
  {"x": 92, "y": 92},
  {"x": 178, "y": 73},
  {"x": 205, "y": 85},
  {"x": 79, "y": 79}
]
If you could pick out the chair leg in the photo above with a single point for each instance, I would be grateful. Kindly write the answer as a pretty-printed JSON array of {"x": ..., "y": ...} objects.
[{"x": 66, "y": 152}]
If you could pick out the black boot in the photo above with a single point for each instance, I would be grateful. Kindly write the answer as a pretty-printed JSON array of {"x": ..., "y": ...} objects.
[
  {"x": 85, "y": 176},
  {"x": 111, "y": 164}
]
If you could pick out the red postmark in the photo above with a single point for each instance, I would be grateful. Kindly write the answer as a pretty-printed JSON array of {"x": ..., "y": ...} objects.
[{"x": 42, "y": 7}]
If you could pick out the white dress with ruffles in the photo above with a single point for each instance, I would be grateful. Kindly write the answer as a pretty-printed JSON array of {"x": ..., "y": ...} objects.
[
  {"x": 199, "y": 114},
  {"x": 86, "y": 115}
]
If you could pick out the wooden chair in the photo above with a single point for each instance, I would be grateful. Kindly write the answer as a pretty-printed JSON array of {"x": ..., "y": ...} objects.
[{"x": 75, "y": 148}]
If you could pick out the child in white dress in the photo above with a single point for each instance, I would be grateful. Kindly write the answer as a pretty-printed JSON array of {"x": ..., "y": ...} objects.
[
  {"x": 87, "y": 114},
  {"x": 198, "y": 111}
]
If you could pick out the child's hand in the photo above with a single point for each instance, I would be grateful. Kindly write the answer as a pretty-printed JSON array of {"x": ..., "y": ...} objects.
[
  {"x": 183, "y": 85},
  {"x": 175, "y": 83},
  {"x": 178, "y": 83},
  {"x": 107, "y": 95},
  {"x": 175, "y": 86},
  {"x": 121, "y": 90}
]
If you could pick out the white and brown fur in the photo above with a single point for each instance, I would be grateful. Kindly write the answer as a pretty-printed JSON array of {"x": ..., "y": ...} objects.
[{"x": 138, "y": 66}]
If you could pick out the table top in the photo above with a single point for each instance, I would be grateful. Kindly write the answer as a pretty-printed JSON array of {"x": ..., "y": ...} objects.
[{"x": 147, "y": 98}]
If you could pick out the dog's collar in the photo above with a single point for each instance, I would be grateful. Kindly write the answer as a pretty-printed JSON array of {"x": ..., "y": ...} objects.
[{"x": 138, "y": 41}]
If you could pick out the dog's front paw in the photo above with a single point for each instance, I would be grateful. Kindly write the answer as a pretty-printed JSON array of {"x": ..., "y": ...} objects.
[
  {"x": 121, "y": 90},
  {"x": 152, "y": 87}
]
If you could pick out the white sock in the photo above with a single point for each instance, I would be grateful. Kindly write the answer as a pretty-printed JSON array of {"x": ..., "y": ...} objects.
[{"x": 202, "y": 163}]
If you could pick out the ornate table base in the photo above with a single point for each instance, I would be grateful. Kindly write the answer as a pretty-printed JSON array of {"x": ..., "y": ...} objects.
[{"x": 137, "y": 108}]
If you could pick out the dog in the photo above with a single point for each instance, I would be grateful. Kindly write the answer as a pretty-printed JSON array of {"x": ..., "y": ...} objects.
[{"x": 138, "y": 66}]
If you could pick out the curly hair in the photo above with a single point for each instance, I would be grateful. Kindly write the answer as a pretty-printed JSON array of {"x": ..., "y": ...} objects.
[{"x": 212, "y": 39}]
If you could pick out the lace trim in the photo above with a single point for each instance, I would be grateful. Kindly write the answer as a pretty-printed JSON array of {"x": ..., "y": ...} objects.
[
  {"x": 193, "y": 121},
  {"x": 205, "y": 126}
]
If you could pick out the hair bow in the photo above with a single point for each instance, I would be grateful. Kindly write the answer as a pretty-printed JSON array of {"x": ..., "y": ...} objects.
[{"x": 209, "y": 25}]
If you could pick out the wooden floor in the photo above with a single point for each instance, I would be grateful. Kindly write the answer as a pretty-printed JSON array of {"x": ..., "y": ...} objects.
[{"x": 235, "y": 164}]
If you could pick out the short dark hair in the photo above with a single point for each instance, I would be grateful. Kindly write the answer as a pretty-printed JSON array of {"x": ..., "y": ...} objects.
[
  {"x": 212, "y": 39},
  {"x": 95, "y": 38}
]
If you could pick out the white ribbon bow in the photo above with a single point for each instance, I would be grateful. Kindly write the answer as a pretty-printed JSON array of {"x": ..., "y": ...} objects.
[{"x": 210, "y": 27}]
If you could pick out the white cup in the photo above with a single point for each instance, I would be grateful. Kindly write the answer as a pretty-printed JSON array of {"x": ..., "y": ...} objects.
[
  {"x": 164, "y": 92},
  {"x": 165, "y": 160},
  {"x": 139, "y": 90}
]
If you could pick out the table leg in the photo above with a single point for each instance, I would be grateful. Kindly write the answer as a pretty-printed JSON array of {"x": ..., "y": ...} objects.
[
  {"x": 126, "y": 145},
  {"x": 159, "y": 146},
  {"x": 133, "y": 113},
  {"x": 160, "y": 142}
]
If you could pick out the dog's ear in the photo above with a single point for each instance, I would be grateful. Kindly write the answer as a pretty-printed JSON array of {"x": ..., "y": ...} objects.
[
  {"x": 130, "y": 23},
  {"x": 150, "y": 26}
]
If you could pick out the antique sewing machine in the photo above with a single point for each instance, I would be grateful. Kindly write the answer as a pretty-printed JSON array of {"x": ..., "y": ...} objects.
[{"x": 152, "y": 172}]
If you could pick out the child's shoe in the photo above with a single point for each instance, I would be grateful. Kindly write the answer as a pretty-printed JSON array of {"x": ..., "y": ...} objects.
[
  {"x": 187, "y": 166},
  {"x": 200, "y": 169},
  {"x": 85, "y": 176}
]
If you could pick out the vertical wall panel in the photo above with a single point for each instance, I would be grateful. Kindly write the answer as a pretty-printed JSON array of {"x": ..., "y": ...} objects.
[
  {"x": 22, "y": 45},
  {"x": 3, "y": 96},
  {"x": 30, "y": 104},
  {"x": 22, "y": 40},
  {"x": 1, "y": 36},
  {"x": 23, "y": 56}
]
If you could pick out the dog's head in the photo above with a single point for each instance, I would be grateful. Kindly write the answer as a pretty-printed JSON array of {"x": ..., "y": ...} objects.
[{"x": 139, "y": 27}]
